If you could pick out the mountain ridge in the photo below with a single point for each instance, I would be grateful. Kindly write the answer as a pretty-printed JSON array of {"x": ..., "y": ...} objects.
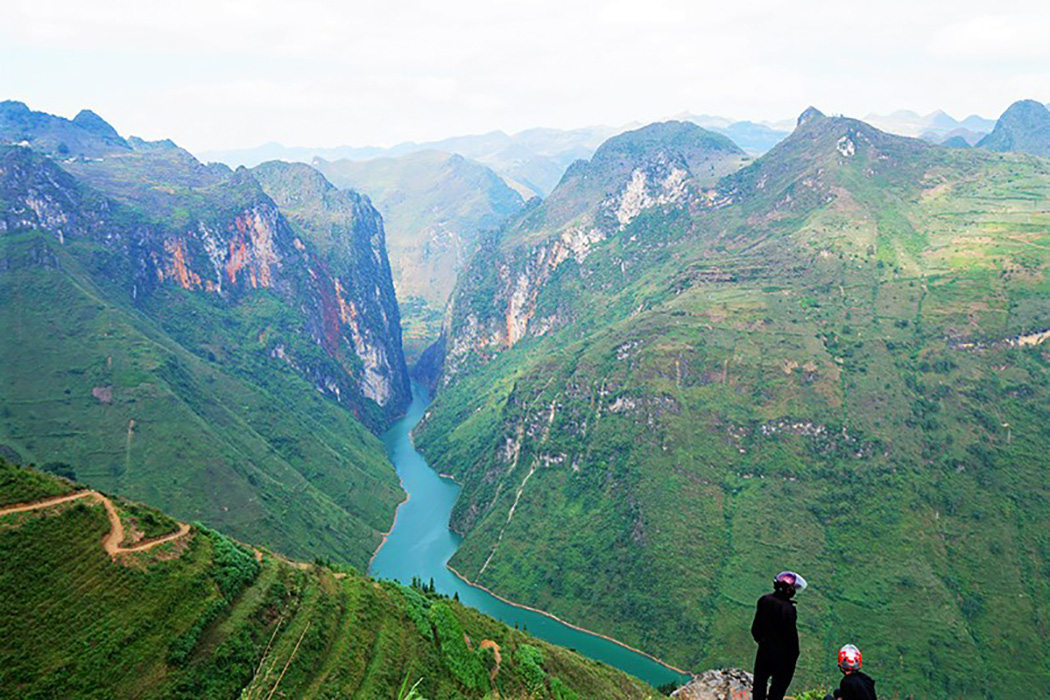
[{"x": 724, "y": 383}]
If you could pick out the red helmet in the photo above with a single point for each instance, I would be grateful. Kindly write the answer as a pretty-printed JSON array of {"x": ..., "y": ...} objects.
[{"x": 850, "y": 658}]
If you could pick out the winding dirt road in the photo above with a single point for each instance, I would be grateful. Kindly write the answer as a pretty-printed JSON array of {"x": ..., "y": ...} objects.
[{"x": 111, "y": 542}]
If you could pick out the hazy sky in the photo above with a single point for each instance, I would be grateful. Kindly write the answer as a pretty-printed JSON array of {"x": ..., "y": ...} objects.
[{"x": 216, "y": 74}]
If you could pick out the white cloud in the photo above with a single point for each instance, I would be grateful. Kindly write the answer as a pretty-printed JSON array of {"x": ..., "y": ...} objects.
[
  {"x": 226, "y": 73},
  {"x": 994, "y": 37}
]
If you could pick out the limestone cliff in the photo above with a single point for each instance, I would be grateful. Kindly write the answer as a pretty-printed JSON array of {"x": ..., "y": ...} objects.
[
  {"x": 496, "y": 304},
  {"x": 359, "y": 304}
]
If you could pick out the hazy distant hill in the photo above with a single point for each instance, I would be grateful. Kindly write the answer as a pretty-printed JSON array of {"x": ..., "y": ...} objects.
[
  {"x": 531, "y": 161},
  {"x": 1024, "y": 127},
  {"x": 956, "y": 141},
  {"x": 955, "y": 138},
  {"x": 754, "y": 138},
  {"x": 938, "y": 123}
]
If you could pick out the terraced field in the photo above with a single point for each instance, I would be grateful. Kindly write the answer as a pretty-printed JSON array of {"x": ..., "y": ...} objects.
[{"x": 199, "y": 615}]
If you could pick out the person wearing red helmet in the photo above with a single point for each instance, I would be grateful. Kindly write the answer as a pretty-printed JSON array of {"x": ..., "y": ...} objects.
[
  {"x": 774, "y": 629},
  {"x": 855, "y": 684}
]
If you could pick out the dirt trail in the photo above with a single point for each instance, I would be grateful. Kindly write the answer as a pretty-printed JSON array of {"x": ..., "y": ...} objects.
[
  {"x": 111, "y": 542},
  {"x": 489, "y": 644},
  {"x": 37, "y": 505}
]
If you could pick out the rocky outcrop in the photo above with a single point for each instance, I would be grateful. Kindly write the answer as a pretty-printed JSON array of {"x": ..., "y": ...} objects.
[{"x": 721, "y": 684}]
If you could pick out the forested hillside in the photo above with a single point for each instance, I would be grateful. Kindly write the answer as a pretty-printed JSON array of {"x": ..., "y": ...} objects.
[
  {"x": 194, "y": 614},
  {"x": 661, "y": 390}
]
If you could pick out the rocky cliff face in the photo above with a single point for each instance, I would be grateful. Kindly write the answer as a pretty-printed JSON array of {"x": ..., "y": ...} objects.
[
  {"x": 167, "y": 222},
  {"x": 653, "y": 167},
  {"x": 435, "y": 206},
  {"x": 359, "y": 307}
]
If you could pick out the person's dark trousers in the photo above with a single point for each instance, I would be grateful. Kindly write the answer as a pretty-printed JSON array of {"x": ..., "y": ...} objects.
[{"x": 770, "y": 664}]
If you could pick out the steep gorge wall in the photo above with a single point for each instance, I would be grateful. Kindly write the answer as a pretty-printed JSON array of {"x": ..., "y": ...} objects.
[{"x": 232, "y": 247}]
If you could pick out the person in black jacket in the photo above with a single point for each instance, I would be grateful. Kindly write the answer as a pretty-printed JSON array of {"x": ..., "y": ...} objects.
[
  {"x": 855, "y": 685},
  {"x": 777, "y": 636}
]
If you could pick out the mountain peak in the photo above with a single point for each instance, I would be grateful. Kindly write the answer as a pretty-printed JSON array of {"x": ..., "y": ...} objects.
[
  {"x": 14, "y": 107},
  {"x": 664, "y": 135},
  {"x": 1024, "y": 126},
  {"x": 656, "y": 142},
  {"x": 86, "y": 119},
  {"x": 809, "y": 115},
  {"x": 613, "y": 163},
  {"x": 1024, "y": 108}
]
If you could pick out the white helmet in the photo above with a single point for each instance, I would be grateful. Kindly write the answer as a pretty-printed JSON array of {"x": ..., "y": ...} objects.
[{"x": 790, "y": 579}]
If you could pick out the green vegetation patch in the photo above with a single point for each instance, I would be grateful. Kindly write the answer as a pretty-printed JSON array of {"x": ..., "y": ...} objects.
[
  {"x": 22, "y": 485},
  {"x": 210, "y": 620}
]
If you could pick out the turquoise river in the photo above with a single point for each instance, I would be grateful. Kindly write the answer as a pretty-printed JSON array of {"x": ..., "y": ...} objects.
[{"x": 421, "y": 544}]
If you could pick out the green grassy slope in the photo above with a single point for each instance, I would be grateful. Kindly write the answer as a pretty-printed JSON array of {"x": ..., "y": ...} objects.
[
  {"x": 807, "y": 366},
  {"x": 201, "y": 617},
  {"x": 85, "y": 380}
]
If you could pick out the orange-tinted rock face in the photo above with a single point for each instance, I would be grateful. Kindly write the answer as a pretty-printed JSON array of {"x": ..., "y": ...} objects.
[
  {"x": 238, "y": 258},
  {"x": 331, "y": 323},
  {"x": 176, "y": 267},
  {"x": 251, "y": 249}
]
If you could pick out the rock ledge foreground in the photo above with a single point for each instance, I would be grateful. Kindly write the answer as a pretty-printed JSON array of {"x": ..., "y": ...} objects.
[{"x": 720, "y": 684}]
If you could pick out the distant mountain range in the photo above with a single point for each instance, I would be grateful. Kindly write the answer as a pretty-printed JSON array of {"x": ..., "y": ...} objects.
[
  {"x": 929, "y": 127},
  {"x": 531, "y": 161},
  {"x": 534, "y": 160}
]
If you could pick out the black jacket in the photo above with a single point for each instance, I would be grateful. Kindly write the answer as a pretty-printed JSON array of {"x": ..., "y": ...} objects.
[
  {"x": 857, "y": 686},
  {"x": 774, "y": 626}
]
